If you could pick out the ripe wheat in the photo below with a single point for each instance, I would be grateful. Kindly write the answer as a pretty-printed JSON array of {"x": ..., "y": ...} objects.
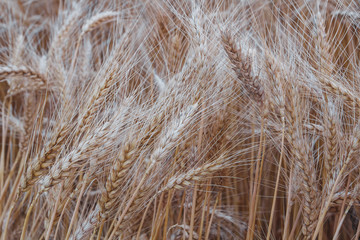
[{"x": 134, "y": 119}]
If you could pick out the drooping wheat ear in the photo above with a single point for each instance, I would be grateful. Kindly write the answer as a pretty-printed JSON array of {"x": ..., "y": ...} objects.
[
  {"x": 277, "y": 103},
  {"x": 196, "y": 174},
  {"x": 242, "y": 65},
  {"x": 305, "y": 163},
  {"x": 97, "y": 20},
  {"x": 96, "y": 100},
  {"x": 326, "y": 65},
  {"x": 46, "y": 158},
  {"x": 33, "y": 79},
  {"x": 90, "y": 25}
]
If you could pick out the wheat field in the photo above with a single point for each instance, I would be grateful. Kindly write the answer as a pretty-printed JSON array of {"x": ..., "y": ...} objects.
[{"x": 179, "y": 119}]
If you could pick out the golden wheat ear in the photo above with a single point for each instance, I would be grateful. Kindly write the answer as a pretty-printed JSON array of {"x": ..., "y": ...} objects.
[{"x": 242, "y": 66}]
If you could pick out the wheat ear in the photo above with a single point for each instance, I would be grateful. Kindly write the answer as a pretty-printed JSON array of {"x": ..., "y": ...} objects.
[
  {"x": 45, "y": 159},
  {"x": 34, "y": 80},
  {"x": 243, "y": 68},
  {"x": 90, "y": 25},
  {"x": 305, "y": 163}
]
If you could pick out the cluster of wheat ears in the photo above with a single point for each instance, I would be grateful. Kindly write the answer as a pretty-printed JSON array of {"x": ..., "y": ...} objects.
[{"x": 175, "y": 119}]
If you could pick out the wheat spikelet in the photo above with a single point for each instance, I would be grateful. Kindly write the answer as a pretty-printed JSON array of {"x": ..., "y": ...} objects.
[
  {"x": 97, "y": 20},
  {"x": 22, "y": 71},
  {"x": 197, "y": 174},
  {"x": 242, "y": 67}
]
